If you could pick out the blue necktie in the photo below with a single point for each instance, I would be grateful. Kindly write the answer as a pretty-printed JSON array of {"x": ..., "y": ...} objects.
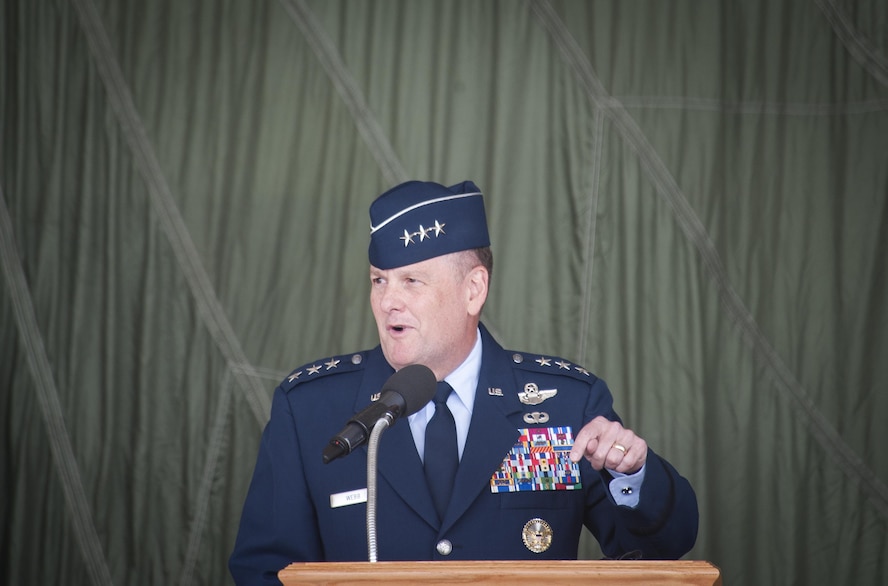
[{"x": 441, "y": 452}]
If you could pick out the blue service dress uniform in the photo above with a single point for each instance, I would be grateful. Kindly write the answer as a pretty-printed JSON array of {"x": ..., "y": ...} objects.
[{"x": 288, "y": 516}]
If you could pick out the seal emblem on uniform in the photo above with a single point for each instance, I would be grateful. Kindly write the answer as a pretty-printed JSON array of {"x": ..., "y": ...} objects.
[{"x": 537, "y": 535}]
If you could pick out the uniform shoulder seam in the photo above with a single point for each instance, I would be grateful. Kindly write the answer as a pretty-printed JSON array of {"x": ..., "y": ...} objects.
[
  {"x": 552, "y": 365},
  {"x": 323, "y": 368}
]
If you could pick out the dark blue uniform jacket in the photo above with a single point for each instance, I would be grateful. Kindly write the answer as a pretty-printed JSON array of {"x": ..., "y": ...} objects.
[{"x": 288, "y": 516}]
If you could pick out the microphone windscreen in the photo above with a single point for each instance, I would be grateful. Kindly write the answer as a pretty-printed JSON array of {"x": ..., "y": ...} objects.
[{"x": 416, "y": 383}]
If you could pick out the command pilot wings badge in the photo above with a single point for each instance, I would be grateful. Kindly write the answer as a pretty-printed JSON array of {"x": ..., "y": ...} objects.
[{"x": 532, "y": 394}]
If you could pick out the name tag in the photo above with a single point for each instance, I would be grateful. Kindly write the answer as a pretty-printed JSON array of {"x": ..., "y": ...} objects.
[
  {"x": 539, "y": 461},
  {"x": 343, "y": 499}
]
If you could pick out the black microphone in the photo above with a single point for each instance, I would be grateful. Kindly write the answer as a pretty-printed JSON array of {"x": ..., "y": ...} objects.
[{"x": 404, "y": 393}]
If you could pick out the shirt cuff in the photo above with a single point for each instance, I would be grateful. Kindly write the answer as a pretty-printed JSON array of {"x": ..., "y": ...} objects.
[{"x": 626, "y": 488}]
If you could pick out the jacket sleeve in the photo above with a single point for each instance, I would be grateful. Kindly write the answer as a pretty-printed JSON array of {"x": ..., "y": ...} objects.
[
  {"x": 664, "y": 523},
  {"x": 278, "y": 525}
]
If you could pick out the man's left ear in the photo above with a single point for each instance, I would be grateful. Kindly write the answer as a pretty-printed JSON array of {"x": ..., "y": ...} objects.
[{"x": 477, "y": 281}]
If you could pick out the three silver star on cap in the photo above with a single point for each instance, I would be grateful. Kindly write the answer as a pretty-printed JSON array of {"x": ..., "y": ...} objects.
[{"x": 423, "y": 233}]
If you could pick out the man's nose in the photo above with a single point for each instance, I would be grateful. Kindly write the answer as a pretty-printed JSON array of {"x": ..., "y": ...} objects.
[{"x": 391, "y": 298}]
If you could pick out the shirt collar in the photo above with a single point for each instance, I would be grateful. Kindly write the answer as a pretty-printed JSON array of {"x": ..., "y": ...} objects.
[{"x": 464, "y": 379}]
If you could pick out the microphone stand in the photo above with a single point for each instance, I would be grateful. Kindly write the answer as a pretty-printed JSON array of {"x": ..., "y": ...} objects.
[{"x": 372, "y": 449}]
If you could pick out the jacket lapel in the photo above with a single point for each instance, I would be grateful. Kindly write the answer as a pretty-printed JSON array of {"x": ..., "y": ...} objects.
[
  {"x": 491, "y": 433},
  {"x": 397, "y": 462}
]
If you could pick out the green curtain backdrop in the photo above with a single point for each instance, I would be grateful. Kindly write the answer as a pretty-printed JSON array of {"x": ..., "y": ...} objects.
[{"x": 688, "y": 198}]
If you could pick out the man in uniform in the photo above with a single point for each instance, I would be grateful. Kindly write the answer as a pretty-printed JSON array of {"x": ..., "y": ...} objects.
[{"x": 538, "y": 452}]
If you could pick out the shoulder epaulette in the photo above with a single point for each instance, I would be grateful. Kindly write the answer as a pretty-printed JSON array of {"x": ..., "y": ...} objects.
[
  {"x": 322, "y": 368},
  {"x": 551, "y": 365}
]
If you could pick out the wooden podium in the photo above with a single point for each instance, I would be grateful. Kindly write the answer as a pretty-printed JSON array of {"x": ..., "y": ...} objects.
[{"x": 667, "y": 573}]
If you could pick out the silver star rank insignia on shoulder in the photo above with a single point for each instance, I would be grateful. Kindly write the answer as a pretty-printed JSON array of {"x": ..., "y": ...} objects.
[{"x": 532, "y": 394}]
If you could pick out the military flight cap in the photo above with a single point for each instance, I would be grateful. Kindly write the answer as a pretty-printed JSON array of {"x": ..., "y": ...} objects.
[{"x": 419, "y": 220}]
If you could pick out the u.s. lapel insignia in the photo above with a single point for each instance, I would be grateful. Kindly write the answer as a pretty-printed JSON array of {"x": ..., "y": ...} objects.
[
  {"x": 537, "y": 535},
  {"x": 532, "y": 394}
]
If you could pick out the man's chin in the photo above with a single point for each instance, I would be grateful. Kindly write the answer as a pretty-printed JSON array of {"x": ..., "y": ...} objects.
[{"x": 397, "y": 360}]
